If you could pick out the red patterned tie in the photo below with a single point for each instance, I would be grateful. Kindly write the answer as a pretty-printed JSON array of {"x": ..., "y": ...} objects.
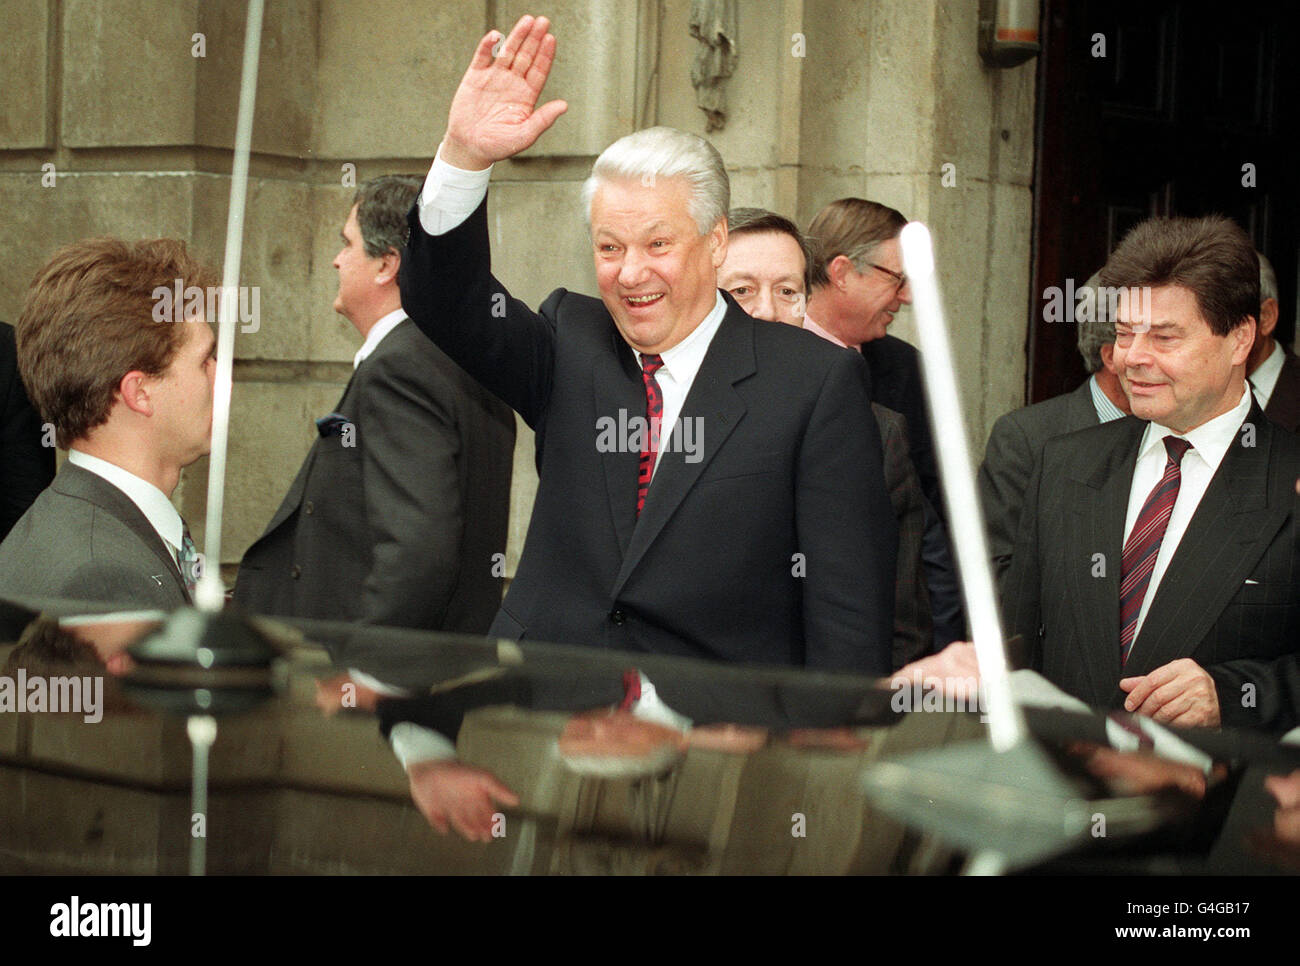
[
  {"x": 654, "y": 411},
  {"x": 1143, "y": 544}
]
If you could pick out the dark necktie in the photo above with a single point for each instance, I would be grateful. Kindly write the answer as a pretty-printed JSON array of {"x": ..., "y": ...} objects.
[
  {"x": 654, "y": 411},
  {"x": 1143, "y": 544}
]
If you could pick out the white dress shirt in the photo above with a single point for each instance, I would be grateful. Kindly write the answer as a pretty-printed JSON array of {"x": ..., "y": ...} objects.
[
  {"x": 1264, "y": 379},
  {"x": 376, "y": 335},
  {"x": 1210, "y": 442},
  {"x": 153, "y": 503}
]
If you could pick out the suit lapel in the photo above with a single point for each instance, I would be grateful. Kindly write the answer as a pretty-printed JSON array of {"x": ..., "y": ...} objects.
[
  {"x": 77, "y": 482},
  {"x": 1232, "y": 527},
  {"x": 714, "y": 406},
  {"x": 1096, "y": 526},
  {"x": 618, "y": 389}
]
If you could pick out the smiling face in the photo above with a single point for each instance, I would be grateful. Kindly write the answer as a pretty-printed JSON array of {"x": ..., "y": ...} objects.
[
  {"x": 1173, "y": 368},
  {"x": 656, "y": 273},
  {"x": 874, "y": 295},
  {"x": 764, "y": 272}
]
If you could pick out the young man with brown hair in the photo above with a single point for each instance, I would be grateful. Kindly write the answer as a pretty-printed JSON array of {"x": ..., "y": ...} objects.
[{"x": 129, "y": 391}]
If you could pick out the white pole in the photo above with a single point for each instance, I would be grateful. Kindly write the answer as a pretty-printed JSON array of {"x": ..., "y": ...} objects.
[
  {"x": 966, "y": 522},
  {"x": 210, "y": 594}
]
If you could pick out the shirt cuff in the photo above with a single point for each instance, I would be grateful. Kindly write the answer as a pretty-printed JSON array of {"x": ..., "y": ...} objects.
[
  {"x": 413, "y": 743},
  {"x": 450, "y": 195},
  {"x": 376, "y": 685}
]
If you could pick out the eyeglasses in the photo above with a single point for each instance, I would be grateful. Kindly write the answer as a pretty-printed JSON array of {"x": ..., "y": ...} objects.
[{"x": 898, "y": 277}]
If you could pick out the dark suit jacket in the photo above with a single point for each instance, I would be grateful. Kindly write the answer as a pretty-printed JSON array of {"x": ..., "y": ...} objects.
[
  {"x": 400, "y": 527},
  {"x": 712, "y": 566},
  {"x": 897, "y": 384},
  {"x": 1284, "y": 405},
  {"x": 84, "y": 539},
  {"x": 26, "y": 467},
  {"x": 1014, "y": 444},
  {"x": 1229, "y": 600},
  {"x": 913, "y": 628}
]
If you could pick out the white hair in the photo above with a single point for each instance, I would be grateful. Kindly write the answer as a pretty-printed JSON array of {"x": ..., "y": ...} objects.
[
  {"x": 1267, "y": 278},
  {"x": 665, "y": 152}
]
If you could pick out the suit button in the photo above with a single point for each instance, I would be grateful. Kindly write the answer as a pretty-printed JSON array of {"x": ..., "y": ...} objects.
[
  {"x": 618, "y": 617},
  {"x": 308, "y": 507},
  {"x": 295, "y": 571}
]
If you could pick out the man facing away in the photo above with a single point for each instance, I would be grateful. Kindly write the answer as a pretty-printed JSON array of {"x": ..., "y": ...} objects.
[
  {"x": 129, "y": 391},
  {"x": 403, "y": 500}
]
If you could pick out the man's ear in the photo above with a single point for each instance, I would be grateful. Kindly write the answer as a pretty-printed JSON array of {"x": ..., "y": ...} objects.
[
  {"x": 839, "y": 269},
  {"x": 718, "y": 243},
  {"x": 133, "y": 390},
  {"x": 389, "y": 263},
  {"x": 1244, "y": 333},
  {"x": 1268, "y": 312},
  {"x": 1108, "y": 357}
]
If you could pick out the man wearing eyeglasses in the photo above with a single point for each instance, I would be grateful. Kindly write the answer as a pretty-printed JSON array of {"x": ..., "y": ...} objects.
[{"x": 858, "y": 286}]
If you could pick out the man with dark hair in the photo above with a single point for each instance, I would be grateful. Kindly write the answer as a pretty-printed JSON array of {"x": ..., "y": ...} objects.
[
  {"x": 1273, "y": 370},
  {"x": 26, "y": 462},
  {"x": 126, "y": 378},
  {"x": 1157, "y": 565},
  {"x": 402, "y": 502},
  {"x": 1018, "y": 436},
  {"x": 767, "y": 270},
  {"x": 857, "y": 286}
]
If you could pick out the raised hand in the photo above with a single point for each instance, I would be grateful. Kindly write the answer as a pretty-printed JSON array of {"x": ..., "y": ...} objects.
[{"x": 494, "y": 114}]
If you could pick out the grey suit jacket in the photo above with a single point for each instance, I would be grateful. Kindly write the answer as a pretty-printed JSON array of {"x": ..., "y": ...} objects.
[
  {"x": 1229, "y": 600},
  {"x": 396, "y": 520},
  {"x": 913, "y": 625},
  {"x": 1016, "y": 440},
  {"x": 84, "y": 539},
  {"x": 1284, "y": 405}
]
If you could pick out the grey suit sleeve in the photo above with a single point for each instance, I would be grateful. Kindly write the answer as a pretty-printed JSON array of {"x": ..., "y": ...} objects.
[
  {"x": 1003, "y": 476},
  {"x": 847, "y": 533},
  {"x": 414, "y": 515}
]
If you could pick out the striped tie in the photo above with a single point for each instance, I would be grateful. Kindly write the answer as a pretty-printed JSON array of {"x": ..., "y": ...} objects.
[
  {"x": 1143, "y": 544},
  {"x": 654, "y": 410},
  {"x": 191, "y": 564}
]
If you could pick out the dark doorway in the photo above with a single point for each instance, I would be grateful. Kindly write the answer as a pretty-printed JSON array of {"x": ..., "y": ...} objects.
[{"x": 1186, "y": 96}]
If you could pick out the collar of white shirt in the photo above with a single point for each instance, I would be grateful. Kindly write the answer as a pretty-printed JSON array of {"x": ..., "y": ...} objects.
[
  {"x": 153, "y": 503},
  {"x": 1264, "y": 379},
  {"x": 1210, "y": 440},
  {"x": 683, "y": 360},
  {"x": 376, "y": 335}
]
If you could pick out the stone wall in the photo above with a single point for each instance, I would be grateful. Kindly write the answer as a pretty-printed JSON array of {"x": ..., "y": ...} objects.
[{"x": 828, "y": 99}]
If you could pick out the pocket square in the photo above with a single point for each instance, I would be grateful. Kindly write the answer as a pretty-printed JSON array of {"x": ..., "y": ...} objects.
[
  {"x": 1251, "y": 582},
  {"x": 331, "y": 425}
]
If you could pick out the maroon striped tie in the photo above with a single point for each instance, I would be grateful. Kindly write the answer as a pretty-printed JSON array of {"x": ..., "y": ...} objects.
[
  {"x": 1143, "y": 544},
  {"x": 654, "y": 411}
]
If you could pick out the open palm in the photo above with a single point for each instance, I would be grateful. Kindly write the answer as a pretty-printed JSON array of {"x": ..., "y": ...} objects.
[{"x": 494, "y": 114}]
